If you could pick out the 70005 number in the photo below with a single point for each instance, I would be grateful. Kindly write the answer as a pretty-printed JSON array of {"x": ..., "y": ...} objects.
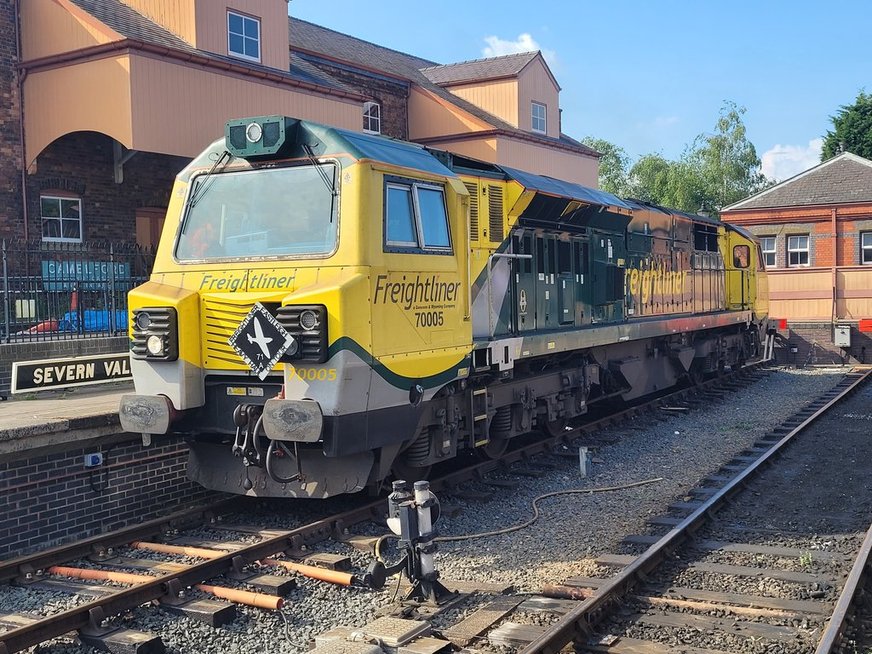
[
  {"x": 314, "y": 374},
  {"x": 429, "y": 319}
]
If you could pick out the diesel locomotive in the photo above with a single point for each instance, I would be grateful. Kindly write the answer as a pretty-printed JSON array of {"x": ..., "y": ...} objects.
[{"x": 328, "y": 308}]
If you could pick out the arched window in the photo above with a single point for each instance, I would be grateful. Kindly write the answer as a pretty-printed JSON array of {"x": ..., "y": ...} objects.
[{"x": 372, "y": 118}]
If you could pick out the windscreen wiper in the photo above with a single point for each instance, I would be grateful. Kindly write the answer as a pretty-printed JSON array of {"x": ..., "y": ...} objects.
[
  {"x": 329, "y": 181},
  {"x": 202, "y": 180}
]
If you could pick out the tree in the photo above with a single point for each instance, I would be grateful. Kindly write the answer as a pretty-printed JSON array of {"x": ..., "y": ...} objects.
[
  {"x": 726, "y": 161},
  {"x": 613, "y": 165},
  {"x": 852, "y": 129},
  {"x": 717, "y": 169}
]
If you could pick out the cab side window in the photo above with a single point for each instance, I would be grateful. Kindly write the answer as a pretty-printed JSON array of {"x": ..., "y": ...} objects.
[
  {"x": 400, "y": 217},
  {"x": 416, "y": 219},
  {"x": 741, "y": 256}
]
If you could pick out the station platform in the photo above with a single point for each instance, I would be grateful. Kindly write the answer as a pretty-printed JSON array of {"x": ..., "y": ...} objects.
[{"x": 51, "y": 421}]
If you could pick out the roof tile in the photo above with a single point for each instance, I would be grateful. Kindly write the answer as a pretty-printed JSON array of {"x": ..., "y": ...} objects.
[
  {"x": 479, "y": 69},
  {"x": 843, "y": 179}
]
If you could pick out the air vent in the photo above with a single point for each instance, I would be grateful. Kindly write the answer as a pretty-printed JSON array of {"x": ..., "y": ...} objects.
[
  {"x": 495, "y": 213},
  {"x": 473, "y": 210}
]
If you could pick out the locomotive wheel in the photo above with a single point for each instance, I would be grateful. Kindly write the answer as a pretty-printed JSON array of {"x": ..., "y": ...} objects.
[
  {"x": 494, "y": 449},
  {"x": 695, "y": 375},
  {"x": 406, "y": 471},
  {"x": 555, "y": 428}
]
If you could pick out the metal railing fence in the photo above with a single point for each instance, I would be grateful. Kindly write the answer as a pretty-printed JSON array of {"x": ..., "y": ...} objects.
[{"x": 58, "y": 291}]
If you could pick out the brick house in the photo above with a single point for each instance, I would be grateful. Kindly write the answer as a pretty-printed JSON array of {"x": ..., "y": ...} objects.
[
  {"x": 103, "y": 101},
  {"x": 816, "y": 234}
]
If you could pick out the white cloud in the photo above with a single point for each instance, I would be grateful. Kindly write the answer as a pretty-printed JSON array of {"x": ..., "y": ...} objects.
[
  {"x": 497, "y": 47},
  {"x": 783, "y": 161}
]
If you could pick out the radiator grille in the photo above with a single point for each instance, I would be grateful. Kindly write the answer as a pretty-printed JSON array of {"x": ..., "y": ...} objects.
[
  {"x": 473, "y": 210},
  {"x": 220, "y": 320},
  {"x": 495, "y": 213}
]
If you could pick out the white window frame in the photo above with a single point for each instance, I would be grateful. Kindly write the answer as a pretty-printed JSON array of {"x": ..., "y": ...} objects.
[
  {"x": 60, "y": 219},
  {"x": 766, "y": 253},
  {"x": 420, "y": 245},
  {"x": 376, "y": 119},
  {"x": 534, "y": 118},
  {"x": 865, "y": 248},
  {"x": 791, "y": 249},
  {"x": 242, "y": 55}
]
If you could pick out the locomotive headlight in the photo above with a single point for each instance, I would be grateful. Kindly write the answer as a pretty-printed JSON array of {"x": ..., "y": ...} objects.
[
  {"x": 254, "y": 132},
  {"x": 155, "y": 345},
  {"x": 293, "y": 348},
  {"x": 154, "y": 334},
  {"x": 308, "y": 320}
]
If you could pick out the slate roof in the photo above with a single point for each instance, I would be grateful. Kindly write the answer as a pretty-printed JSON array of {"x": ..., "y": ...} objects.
[
  {"x": 479, "y": 69},
  {"x": 318, "y": 40},
  {"x": 844, "y": 179},
  {"x": 132, "y": 25}
]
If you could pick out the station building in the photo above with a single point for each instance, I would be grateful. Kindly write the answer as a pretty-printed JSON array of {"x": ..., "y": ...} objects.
[
  {"x": 816, "y": 233},
  {"x": 102, "y": 102}
]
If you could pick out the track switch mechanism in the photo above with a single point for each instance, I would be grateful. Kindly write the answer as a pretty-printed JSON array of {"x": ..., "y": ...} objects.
[{"x": 411, "y": 516}]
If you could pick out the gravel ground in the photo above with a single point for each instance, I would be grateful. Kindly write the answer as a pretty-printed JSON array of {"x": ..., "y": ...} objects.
[
  {"x": 817, "y": 500},
  {"x": 572, "y": 530}
]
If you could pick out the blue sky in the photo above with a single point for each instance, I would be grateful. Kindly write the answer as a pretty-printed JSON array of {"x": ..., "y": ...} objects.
[{"x": 650, "y": 76}]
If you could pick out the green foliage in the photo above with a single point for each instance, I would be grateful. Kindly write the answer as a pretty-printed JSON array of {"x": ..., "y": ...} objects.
[
  {"x": 852, "y": 129},
  {"x": 717, "y": 169},
  {"x": 613, "y": 165},
  {"x": 727, "y": 161}
]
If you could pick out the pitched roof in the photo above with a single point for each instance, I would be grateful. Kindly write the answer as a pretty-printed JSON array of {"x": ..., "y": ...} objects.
[
  {"x": 479, "y": 69},
  {"x": 845, "y": 178},
  {"x": 132, "y": 25},
  {"x": 320, "y": 41}
]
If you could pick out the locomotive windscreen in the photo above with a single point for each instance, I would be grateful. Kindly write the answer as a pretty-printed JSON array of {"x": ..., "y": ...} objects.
[{"x": 260, "y": 213}]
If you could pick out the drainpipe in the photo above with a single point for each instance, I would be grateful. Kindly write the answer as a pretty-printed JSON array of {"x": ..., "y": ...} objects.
[
  {"x": 834, "y": 273},
  {"x": 22, "y": 73}
]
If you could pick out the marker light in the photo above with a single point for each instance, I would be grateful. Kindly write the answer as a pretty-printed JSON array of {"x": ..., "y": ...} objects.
[{"x": 142, "y": 320}]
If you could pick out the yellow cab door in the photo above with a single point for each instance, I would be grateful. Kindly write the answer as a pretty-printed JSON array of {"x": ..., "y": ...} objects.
[
  {"x": 421, "y": 330},
  {"x": 740, "y": 263}
]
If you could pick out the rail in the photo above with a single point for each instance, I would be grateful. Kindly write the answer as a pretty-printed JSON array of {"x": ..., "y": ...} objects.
[{"x": 577, "y": 624}]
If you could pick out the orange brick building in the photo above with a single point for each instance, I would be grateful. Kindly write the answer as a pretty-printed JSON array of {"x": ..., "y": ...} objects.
[{"x": 816, "y": 233}]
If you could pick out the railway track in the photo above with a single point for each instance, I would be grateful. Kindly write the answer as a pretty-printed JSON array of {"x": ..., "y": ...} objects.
[
  {"x": 231, "y": 559},
  {"x": 754, "y": 530}
]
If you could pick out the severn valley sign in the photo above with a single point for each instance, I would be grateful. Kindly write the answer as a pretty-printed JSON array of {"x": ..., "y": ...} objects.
[{"x": 42, "y": 375}]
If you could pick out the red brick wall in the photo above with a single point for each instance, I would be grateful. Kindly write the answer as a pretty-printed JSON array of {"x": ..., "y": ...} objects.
[
  {"x": 10, "y": 126},
  {"x": 391, "y": 95},
  {"x": 813, "y": 342},
  {"x": 49, "y": 500},
  {"x": 82, "y": 163}
]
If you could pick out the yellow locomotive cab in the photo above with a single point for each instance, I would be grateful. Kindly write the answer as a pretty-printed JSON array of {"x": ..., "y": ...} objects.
[{"x": 328, "y": 308}]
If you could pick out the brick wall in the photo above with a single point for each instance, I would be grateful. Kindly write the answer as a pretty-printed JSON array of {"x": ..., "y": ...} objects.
[
  {"x": 813, "y": 342},
  {"x": 820, "y": 234},
  {"x": 37, "y": 350},
  {"x": 81, "y": 164},
  {"x": 10, "y": 126},
  {"x": 391, "y": 95},
  {"x": 49, "y": 500}
]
